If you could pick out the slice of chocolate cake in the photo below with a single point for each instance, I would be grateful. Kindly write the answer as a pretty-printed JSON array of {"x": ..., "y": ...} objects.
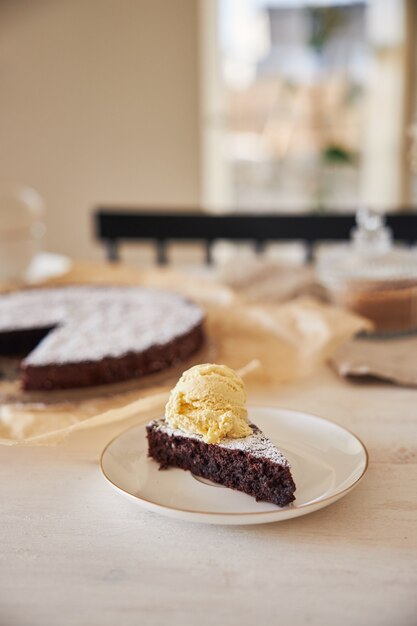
[{"x": 250, "y": 464}]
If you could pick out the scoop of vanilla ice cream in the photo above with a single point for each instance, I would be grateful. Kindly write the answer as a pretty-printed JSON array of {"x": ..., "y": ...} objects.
[{"x": 209, "y": 400}]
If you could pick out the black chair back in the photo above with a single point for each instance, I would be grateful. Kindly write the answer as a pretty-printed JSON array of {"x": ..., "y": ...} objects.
[{"x": 113, "y": 226}]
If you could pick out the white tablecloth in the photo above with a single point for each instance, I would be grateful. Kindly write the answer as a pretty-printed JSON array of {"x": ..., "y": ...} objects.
[{"x": 74, "y": 552}]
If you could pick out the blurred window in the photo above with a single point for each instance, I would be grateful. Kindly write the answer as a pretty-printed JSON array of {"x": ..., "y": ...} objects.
[{"x": 314, "y": 104}]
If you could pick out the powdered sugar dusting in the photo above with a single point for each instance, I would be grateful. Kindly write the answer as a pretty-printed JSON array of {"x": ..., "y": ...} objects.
[
  {"x": 96, "y": 322},
  {"x": 258, "y": 445}
]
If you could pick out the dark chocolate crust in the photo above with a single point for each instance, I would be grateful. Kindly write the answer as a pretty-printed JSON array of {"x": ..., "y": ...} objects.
[
  {"x": 112, "y": 369},
  {"x": 261, "y": 478}
]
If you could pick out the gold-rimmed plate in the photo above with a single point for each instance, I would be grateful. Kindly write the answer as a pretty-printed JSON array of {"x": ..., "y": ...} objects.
[{"x": 327, "y": 462}]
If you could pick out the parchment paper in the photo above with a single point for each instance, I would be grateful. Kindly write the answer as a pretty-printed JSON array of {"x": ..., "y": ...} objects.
[
  {"x": 258, "y": 279},
  {"x": 286, "y": 341}
]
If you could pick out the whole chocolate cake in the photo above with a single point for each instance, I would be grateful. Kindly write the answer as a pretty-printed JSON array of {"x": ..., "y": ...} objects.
[{"x": 83, "y": 336}]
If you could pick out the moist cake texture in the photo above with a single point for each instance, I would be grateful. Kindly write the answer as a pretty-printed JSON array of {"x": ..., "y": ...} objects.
[
  {"x": 81, "y": 336},
  {"x": 250, "y": 464}
]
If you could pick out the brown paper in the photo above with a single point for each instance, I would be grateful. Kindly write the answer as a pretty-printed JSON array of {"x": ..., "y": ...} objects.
[
  {"x": 288, "y": 340},
  {"x": 388, "y": 359}
]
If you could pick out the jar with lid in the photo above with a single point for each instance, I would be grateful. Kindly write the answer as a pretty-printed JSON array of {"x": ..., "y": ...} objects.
[{"x": 373, "y": 277}]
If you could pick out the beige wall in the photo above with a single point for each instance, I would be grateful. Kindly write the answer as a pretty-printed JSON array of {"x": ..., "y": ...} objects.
[{"x": 99, "y": 104}]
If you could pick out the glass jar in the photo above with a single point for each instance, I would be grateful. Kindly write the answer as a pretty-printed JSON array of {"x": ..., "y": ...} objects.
[
  {"x": 21, "y": 229},
  {"x": 373, "y": 277}
]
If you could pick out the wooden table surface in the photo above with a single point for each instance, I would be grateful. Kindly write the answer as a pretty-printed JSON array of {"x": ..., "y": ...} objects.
[{"x": 74, "y": 552}]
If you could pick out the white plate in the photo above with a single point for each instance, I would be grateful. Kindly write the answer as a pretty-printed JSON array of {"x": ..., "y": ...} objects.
[{"x": 327, "y": 462}]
